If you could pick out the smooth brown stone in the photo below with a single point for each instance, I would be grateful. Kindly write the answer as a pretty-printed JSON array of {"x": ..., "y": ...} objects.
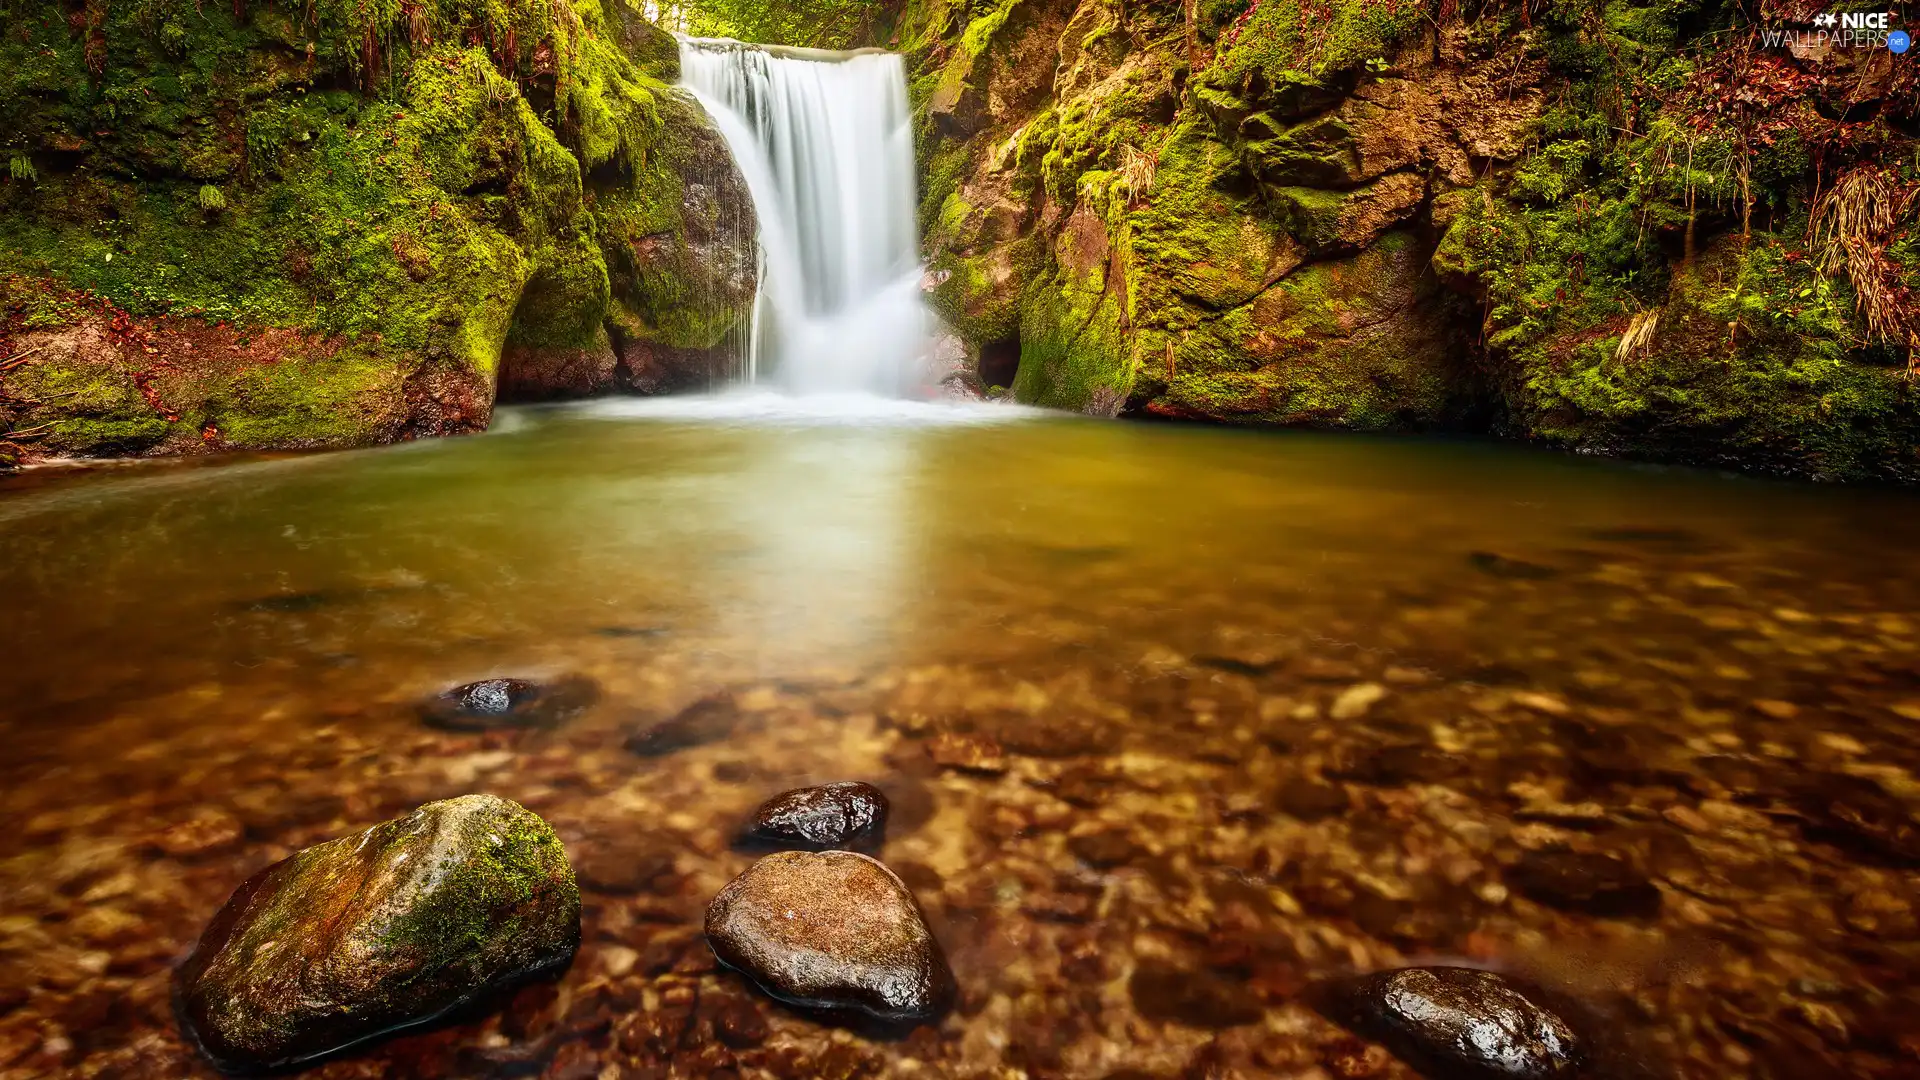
[
  {"x": 827, "y": 816},
  {"x": 831, "y": 929},
  {"x": 392, "y": 927}
]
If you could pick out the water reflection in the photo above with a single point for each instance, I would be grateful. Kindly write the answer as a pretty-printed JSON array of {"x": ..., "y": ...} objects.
[{"x": 1177, "y": 724}]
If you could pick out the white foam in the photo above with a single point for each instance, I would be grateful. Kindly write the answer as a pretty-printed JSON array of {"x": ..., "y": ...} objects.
[{"x": 749, "y": 406}]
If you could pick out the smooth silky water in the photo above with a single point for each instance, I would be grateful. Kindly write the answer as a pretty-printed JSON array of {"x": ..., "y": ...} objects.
[
  {"x": 1271, "y": 706},
  {"x": 825, "y": 143}
]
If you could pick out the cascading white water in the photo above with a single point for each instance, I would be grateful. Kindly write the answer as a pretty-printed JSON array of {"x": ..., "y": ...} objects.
[{"x": 826, "y": 146}]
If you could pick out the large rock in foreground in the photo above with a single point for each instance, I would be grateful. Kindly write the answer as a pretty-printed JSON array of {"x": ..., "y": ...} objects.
[
  {"x": 831, "y": 929},
  {"x": 1462, "y": 1024},
  {"x": 353, "y": 938}
]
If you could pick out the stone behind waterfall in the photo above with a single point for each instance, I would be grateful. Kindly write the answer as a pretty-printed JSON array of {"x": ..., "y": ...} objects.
[
  {"x": 392, "y": 927},
  {"x": 831, "y": 929}
]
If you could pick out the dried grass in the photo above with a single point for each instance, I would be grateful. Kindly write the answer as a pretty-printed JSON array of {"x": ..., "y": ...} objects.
[
  {"x": 1853, "y": 223},
  {"x": 1136, "y": 172},
  {"x": 1639, "y": 334}
]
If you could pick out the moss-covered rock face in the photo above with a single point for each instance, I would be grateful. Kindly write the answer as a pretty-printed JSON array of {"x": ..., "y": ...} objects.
[
  {"x": 351, "y": 939},
  {"x": 1392, "y": 215},
  {"x": 323, "y": 224}
]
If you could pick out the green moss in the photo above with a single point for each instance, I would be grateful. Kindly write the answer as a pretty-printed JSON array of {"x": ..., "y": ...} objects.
[
  {"x": 1284, "y": 44},
  {"x": 506, "y": 861},
  {"x": 1073, "y": 350},
  {"x": 1353, "y": 343},
  {"x": 980, "y": 296},
  {"x": 680, "y": 268},
  {"x": 304, "y": 401},
  {"x": 213, "y": 167},
  {"x": 1752, "y": 363},
  {"x": 1196, "y": 239}
]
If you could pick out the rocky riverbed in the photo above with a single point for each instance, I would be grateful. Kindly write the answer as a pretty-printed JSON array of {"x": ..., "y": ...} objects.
[{"x": 1646, "y": 759}]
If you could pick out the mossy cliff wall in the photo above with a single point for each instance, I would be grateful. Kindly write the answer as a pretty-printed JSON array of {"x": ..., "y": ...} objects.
[
  {"x": 1643, "y": 230},
  {"x": 343, "y": 223}
]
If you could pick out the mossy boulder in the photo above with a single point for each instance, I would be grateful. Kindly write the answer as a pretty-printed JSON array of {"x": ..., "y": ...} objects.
[
  {"x": 1747, "y": 362},
  {"x": 1411, "y": 216},
  {"x": 314, "y": 225},
  {"x": 357, "y": 937}
]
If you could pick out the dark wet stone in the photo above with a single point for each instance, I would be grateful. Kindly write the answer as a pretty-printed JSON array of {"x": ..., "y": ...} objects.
[
  {"x": 492, "y": 704},
  {"x": 1108, "y": 847},
  {"x": 631, "y": 631},
  {"x": 831, "y": 929},
  {"x": 710, "y": 719},
  {"x": 1312, "y": 800},
  {"x": 1196, "y": 998},
  {"x": 302, "y": 603},
  {"x": 1495, "y": 674},
  {"x": 1650, "y": 535},
  {"x": 1501, "y": 566},
  {"x": 1461, "y": 1024},
  {"x": 1233, "y": 665},
  {"x": 349, "y": 940},
  {"x": 828, "y": 816},
  {"x": 1857, "y": 815},
  {"x": 293, "y": 603},
  {"x": 1596, "y": 884},
  {"x": 1611, "y": 755},
  {"x": 1407, "y": 763}
]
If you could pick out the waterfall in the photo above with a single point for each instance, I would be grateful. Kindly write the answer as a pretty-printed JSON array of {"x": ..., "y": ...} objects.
[{"x": 825, "y": 143}]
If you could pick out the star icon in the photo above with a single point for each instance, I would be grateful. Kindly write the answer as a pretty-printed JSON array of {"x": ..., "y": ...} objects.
[{"x": 1825, "y": 18}]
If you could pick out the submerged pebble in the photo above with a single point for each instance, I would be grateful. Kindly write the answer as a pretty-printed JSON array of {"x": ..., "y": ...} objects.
[
  {"x": 967, "y": 752},
  {"x": 1597, "y": 884},
  {"x": 348, "y": 940},
  {"x": 831, "y": 929},
  {"x": 1503, "y": 566},
  {"x": 827, "y": 816},
  {"x": 1192, "y": 996},
  {"x": 1312, "y": 800},
  {"x": 707, "y": 720}
]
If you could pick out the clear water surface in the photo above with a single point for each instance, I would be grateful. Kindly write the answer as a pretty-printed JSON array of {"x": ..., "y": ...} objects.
[{"x": 1271, "y": 707}]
